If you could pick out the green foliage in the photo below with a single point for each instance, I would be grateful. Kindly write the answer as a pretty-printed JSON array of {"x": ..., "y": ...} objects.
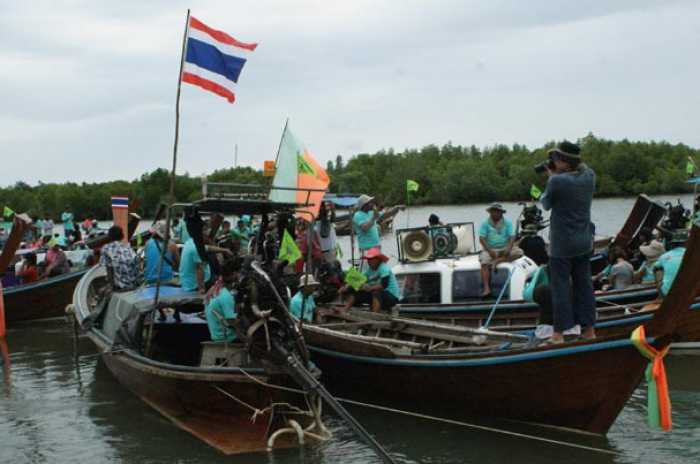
[
  {"x": 455, "y": 174},
  {"x": 447, "y": 175}
]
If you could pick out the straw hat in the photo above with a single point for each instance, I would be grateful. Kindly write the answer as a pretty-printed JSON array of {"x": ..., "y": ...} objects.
[
  {"x": 160, "y": 229},
  {"x": 496, "y": 206},
  {"x": 653, "y": 250},
  {"x": 363, "y": 200}
]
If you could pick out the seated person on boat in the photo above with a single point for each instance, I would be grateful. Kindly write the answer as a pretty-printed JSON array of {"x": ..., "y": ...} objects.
[
  {"x": 29, "y": 271},
  {"x": 650, "y": 252},
  {"x": 537, "y": 289},
  {"x": 498, "y": 243},
  {"x": 221, "y": 303},
  {"x": 381, "y": 291},
  {"x": 56, "y": 260},
  {"x": 621, "y": 273},
  {"x": 152, "y": 253},
  {"x": 666, "y": 267},
  {"x": 123, "y": 266},
  {"x": 302, "y": 304}
]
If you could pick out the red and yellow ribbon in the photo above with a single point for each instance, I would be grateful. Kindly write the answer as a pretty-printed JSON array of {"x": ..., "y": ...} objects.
[{"x": 658, "y": 401}]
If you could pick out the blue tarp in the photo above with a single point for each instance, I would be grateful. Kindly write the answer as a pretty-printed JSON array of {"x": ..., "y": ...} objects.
[
  {"x": 694, "y": 180},
  {"x": 345, "y": 201}
]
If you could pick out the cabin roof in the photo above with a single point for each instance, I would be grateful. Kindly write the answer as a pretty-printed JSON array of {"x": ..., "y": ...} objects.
[{"x": 238, "y": 206}]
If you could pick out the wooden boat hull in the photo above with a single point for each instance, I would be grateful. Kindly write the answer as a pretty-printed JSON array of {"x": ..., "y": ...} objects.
[
  {"x": 195, "y": 403},
  {"x": 215, "y": 404},
  {"x": 42, "y": 299},
  {"x": 559, "y": 388}
]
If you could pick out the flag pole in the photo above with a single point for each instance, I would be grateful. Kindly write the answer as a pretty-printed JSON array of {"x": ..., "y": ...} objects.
[{"x": 171, "y": 194}]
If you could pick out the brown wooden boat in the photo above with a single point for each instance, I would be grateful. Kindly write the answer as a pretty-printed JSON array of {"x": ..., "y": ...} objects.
[
  {"x": 226, "y": 394},
  {"x": 451, "y": 372},
  {"x": 42, "y": 299}
]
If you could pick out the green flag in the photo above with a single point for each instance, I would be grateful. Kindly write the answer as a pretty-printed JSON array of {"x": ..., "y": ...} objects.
[
  {"x": 690, "y": 167},
  {"x": 7, "y": 212},
  {"x": 289, "y": 251},
  {"x": 355, "y": 278},
  {"x": 535, "y": 192},
  {"x": 411, "y": 185}
]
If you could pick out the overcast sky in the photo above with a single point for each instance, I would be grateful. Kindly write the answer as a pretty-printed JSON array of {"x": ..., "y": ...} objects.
[{"x": 87, "y": 89}]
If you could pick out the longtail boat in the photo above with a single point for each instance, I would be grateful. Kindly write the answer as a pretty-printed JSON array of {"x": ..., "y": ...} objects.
[
  {"x": 259, "y": 392},
  {"x": 427, "y": 368}
]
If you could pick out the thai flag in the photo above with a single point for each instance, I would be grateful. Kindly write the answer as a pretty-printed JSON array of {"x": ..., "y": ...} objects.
[
  {"x": 214, "y": 59},
  {"x": 120, "y": 202}
]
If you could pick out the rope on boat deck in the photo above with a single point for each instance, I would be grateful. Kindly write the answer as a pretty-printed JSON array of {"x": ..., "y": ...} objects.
[{"x": 447, "y": 421}]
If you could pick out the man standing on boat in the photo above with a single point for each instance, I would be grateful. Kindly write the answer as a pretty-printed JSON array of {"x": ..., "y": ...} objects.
[
  {"x": 497, "y": 244},
  {"x": 364, "y": 223},
  {"x": 569, "y": 195},
  {"x": 68, "y": 226}
]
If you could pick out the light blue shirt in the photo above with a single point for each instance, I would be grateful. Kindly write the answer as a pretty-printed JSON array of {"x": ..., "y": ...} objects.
[
  {"x": 538, "y": 278},
  {"x": 309, "y": 306},
  {"x": 188, "y": 267},
  {"x": 374, "y": 277},
  {"x": 152, "y": 257},
  {"x": 496, "y": 237},
  {"x": 67, "y": 219},
  {"x": 648, "y": 275},
  {"x": 369, "y": 239},
  {"x": 181, "y": 232},
  {"x": 225, "y": 305},
  {"x": 669, "y": 262}
]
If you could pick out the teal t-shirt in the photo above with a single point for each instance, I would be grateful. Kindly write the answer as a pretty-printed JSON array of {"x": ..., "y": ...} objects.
[
  {"x": 152, "y": 259},
  {"x": 309, "y": 306},
  {"x": 648, "y": 274},
  {"x": 188, "y": 267},
  {"x": 181, "y": 232},
  {"x": 538, "y": 278},
  {"x": 241, "y": 234},
  {"x": 374, "y": 277},
  {"x": 369, "y": 239},
  {"x": 225, "y": 305},
  {"x": 670, "y": 262},
  {"x": 67, "y": 219},
  {"x": 496, "y": 237}
]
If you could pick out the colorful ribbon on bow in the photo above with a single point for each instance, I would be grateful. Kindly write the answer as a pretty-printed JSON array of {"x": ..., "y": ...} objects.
[{"x": 658, "y": 401}]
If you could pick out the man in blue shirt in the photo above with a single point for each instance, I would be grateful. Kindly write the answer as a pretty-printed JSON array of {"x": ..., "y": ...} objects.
[
  {"x": 220, "y": 304},
  {"x": 364, "y": 223},
  {"x": 381, "y": 291},
  {"x": 666, "y": 267},
  {"x": 303, "y": 305},
  {"x": 195, "y": 273},
  {"x": 497, "y": 244},
  {"x": 569, "y": 195},
  {"x": 152, "y": 253}
]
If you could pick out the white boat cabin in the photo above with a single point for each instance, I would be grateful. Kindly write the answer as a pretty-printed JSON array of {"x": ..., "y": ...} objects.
[{"x": 441, "y": 266}]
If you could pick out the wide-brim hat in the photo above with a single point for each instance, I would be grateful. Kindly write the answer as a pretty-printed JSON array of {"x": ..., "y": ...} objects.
[
  {"x": 160, "y": 229},
  {"x": 363, "y": 200},
  {"x": 567, "y": 150},
  {"x": 308, "y": 280},
  {"x": 653, "y": 250},
  {"x": 375, "y": 253},
  {"x": 496, "y": 206}
]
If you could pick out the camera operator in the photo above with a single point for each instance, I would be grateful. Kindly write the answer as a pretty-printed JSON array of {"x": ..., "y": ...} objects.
[{"x": 569, "y": 194}]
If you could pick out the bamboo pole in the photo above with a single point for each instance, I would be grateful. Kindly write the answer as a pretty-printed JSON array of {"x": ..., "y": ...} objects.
[{"x": 171, "y": 194}]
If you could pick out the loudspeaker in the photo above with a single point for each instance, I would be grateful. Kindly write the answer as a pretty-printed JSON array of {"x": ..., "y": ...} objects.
[
  {"x": 417, "y": 245},
  {"x": 444, "y": 242}
]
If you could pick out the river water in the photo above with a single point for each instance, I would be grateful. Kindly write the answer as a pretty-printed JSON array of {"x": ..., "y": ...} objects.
[{"x": 59, "y": 403}]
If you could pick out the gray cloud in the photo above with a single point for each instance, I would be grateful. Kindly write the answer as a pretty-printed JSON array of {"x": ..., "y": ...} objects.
[{"x": 88, "y": 89}]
